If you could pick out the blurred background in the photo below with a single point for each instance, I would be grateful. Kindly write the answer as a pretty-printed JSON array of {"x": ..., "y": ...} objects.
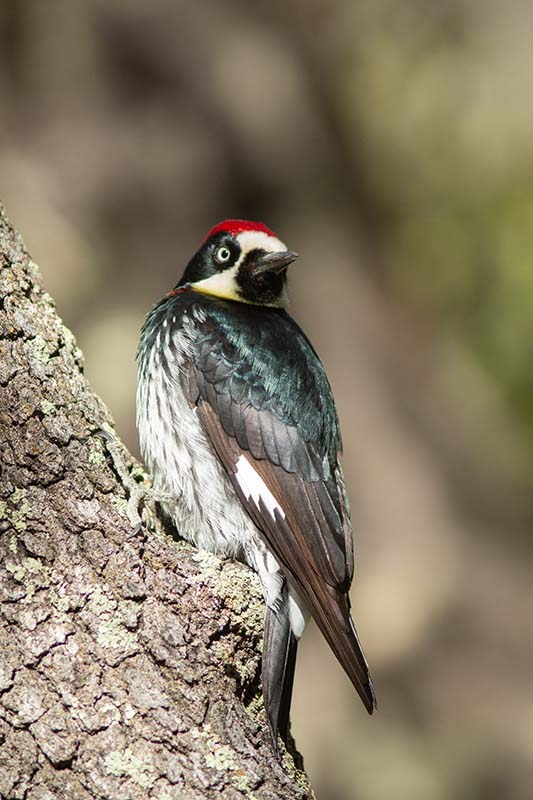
[{"x": 391, "y": 144}]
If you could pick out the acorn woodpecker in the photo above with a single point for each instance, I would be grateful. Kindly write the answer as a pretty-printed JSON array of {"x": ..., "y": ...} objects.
[{"x": 238, "y": 426}]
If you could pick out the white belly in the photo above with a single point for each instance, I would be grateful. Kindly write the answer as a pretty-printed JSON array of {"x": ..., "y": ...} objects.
[{"x": 183, "y": 464}]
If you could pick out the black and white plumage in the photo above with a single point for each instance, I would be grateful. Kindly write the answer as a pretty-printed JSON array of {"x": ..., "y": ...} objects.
[{"x": 238, "y": 426}]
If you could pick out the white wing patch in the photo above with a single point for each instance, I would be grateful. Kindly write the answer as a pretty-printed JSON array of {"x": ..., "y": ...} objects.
[{"x": 252, "y": 485}]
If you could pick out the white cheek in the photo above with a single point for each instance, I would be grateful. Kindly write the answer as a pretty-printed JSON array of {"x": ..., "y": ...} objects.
[
  {"x": 253, "y": 486},
  {"x": 222, "y": 284}
]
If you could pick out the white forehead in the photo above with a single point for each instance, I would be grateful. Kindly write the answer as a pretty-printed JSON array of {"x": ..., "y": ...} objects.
[{"x": 259, "y": 240}]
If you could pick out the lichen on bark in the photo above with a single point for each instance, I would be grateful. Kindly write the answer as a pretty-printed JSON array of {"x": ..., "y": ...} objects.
[{"x": 129, "y": 661}]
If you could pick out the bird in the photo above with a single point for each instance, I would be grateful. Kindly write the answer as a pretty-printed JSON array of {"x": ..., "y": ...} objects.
[{"x": 238, "y": 427}]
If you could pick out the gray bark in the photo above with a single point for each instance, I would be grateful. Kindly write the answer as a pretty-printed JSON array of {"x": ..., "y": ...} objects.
[{"x": 129, "y": 661}]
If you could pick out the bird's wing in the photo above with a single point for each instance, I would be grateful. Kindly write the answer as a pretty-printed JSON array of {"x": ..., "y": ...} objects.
[{"x": 290, "y": 487}]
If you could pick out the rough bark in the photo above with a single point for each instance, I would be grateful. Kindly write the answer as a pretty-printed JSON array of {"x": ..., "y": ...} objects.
[{"x": 129, "y": 661}]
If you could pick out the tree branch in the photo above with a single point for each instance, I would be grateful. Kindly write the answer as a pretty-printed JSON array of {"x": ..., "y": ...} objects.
[{"x": 129, "y": 662}]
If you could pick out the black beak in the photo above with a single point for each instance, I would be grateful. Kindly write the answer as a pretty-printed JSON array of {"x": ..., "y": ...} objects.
[{"x": 273, "y": 262}]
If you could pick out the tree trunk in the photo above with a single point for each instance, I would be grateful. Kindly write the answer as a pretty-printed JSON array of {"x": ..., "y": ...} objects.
[{"x": 129, "y": 661}]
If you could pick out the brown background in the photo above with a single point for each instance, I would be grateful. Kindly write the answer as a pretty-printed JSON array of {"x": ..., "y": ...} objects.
[{"x": 390, "y": 144}]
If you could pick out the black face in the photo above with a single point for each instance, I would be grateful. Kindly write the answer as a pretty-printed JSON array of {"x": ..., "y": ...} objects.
[
  {"x": 262, "y": 288},
  {"x": 216, "y": 255}
]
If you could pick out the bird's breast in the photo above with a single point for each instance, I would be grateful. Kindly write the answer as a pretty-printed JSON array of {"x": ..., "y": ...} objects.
[{"x": 182, "y": 462}]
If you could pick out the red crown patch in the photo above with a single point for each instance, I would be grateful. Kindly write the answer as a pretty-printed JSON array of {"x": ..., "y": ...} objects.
[{"x": 235, "y": 226}]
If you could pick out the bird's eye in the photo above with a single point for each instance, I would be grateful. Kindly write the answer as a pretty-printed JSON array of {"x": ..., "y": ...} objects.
[{"x": 222, "y": 255}]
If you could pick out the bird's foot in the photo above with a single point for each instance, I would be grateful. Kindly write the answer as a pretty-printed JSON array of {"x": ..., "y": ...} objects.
[{"x": 140, "y": 496}]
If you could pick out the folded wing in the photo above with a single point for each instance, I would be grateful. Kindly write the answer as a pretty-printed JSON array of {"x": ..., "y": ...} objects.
[{"x": 290, "y": 484}]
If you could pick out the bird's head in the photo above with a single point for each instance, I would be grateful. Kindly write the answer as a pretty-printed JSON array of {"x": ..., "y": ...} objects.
[{"x": 242, "y": 261}]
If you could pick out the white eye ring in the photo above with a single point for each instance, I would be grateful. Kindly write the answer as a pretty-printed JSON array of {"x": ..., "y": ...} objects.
[{"x": 222, "y": 255}]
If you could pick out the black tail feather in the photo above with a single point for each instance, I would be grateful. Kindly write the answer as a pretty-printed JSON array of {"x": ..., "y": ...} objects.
[
  {"x": 288, "y": 681},
  {"x": 279, "y": 660}
]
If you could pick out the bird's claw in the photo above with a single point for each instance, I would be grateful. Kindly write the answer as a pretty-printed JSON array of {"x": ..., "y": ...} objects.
[{"x": 137, "y": 493}]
